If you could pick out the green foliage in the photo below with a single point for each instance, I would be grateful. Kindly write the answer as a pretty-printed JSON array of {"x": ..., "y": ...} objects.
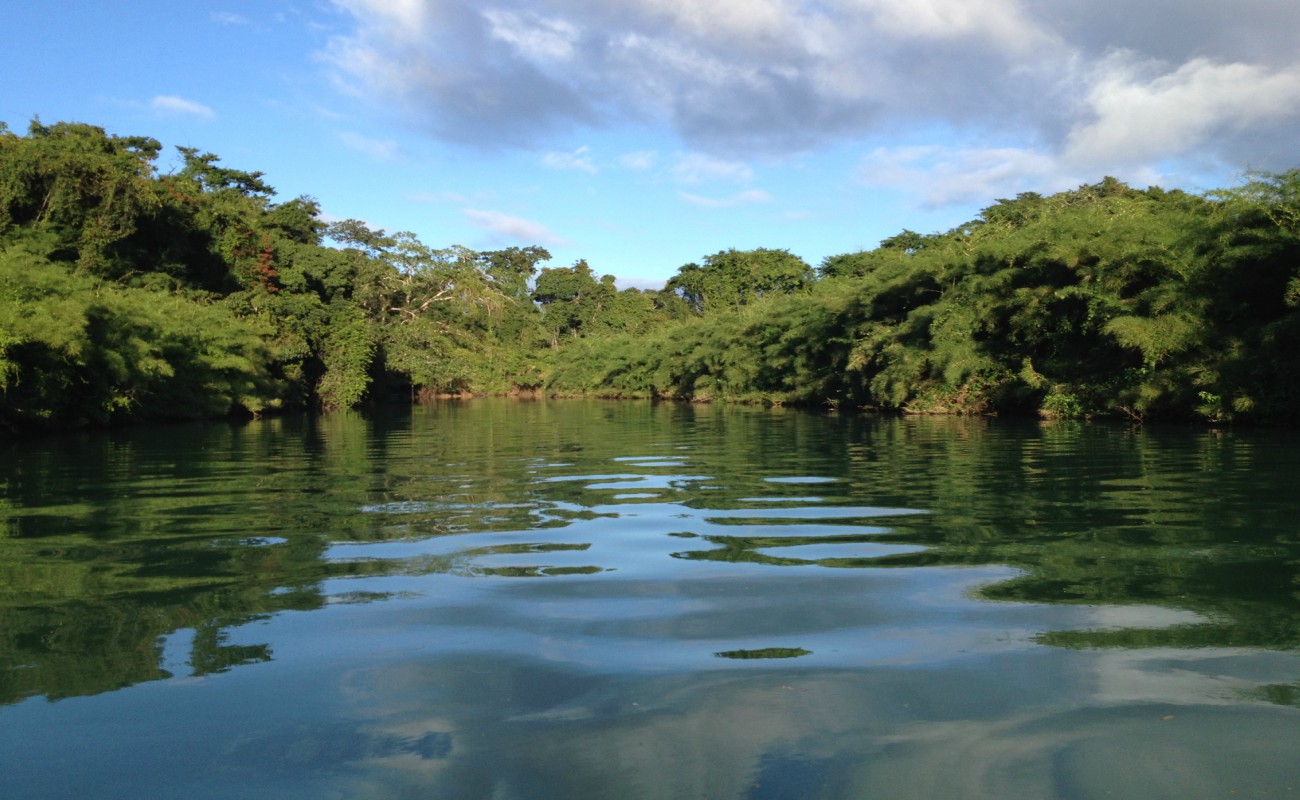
[
  {"x": 1101, "y": 300},
  {"x": 512, "y": 268},
  {"x": 347, "y": 355},
  {"x": 135, "y": 295},
  {"x": 127, "y": 294},
  {"x": 76, "y": 352},
  {"x": 88, "y": 188},
  {"x": 570, "y": 298},
  {"x": 733, "y": 278}
]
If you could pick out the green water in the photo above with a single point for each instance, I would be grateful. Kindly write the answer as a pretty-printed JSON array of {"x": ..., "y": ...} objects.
[{"x": 586, "y": 599}]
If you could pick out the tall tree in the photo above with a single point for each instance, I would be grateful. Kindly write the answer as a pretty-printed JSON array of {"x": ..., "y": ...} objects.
[
  {"x": 733, "y": 278},
  {"x": 84, "y": 188},
  {"x": 571, "y": 298}
]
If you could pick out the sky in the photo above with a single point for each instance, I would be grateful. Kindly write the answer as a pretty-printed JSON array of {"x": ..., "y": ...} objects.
[{"x": 642, "y": 135}]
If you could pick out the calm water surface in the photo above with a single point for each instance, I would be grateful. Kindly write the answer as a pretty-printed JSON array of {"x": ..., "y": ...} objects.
[{"x": 587, "y": 600}]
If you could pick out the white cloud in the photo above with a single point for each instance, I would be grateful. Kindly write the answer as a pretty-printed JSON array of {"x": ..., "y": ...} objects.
[
  {"x": 749, "y": 196},
  {"x": 1018, "y": 87},
  {"x": 403, "y": 19},
  {"x": 534, "y": 37},
  {"x": 577, "y": 159},
  {"x": 1139, "y": 119},
  {"x": 940, "y": 176},
  {"x": 731, "y": 77},
  {"x": 735, "y": 21},
  {"x": 644, "y": 284},
  {"x": 514, "y": 228},
  {"x": 639, "y": 160},
  {"x": 694, "y": 168},
  {"x": 170, "y": 104},
  {"x": 378, "y": 149},
  {"x": 1002, "y": 21}
]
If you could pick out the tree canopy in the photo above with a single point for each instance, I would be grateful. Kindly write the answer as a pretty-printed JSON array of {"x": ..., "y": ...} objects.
[
  {"x": 126, "y": 293},
  {"x": 733, "y": 278}
]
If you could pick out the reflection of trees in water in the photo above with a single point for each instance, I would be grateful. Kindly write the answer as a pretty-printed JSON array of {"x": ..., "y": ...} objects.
[
  {"x": 764, "y": 652},
  {"x": 112, "y": 542},
  {"x": 1198, "y": 521},
  {"x": 1100, "y": 515},
  {"x": 115, "y": 541},
  {"x": 761, "y": 550}
]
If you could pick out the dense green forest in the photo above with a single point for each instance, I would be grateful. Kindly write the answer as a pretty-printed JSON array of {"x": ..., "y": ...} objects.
[{"x": 127, "y": 293}]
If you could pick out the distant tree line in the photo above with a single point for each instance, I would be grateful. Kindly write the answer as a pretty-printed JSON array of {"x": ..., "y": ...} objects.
[{"x": 128, "y": 294}]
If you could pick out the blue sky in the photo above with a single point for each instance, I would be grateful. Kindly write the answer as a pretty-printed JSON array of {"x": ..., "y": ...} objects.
[{"x": 645, "y": 134}]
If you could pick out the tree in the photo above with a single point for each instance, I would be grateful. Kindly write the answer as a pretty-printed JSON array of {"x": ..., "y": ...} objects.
[
  {"x": 202, "y": 168},
  {"x": 512, "y": 269},
  {"x": 571, "y": 298},
  {"x": 733, "y": 278},
  {"x": 86, "y": 188},
  {"x": 298, "y": 220},
  {"x": 511, "y": 272}
]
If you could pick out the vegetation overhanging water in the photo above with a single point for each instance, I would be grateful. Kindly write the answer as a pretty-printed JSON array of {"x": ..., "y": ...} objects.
[{"x": 128, "y": 294}]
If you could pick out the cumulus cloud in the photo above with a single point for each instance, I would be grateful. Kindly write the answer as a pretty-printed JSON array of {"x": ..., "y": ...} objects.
[
  {"x": 1140, "y": 119},
  {"x": 734, "y": 76},
  {"x": 170, "y": 104},
  {"x": 1176, "y": 31},
  {"x": 510, "y": 228},
  {"x": 1055, "y": 87}
]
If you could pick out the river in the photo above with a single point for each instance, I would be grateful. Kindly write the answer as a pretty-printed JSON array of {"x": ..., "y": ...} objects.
[{"x": 586, "y": 599}]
